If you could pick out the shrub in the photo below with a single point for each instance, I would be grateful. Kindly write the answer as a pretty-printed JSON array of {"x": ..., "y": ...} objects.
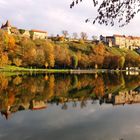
[{"x": 22, "y": 31}]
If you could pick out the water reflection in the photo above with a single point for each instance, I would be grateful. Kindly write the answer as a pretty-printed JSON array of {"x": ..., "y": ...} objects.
[{"x": 36, "y": 92}]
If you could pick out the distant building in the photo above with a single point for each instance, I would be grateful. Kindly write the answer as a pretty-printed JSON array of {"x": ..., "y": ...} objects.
[
  {"x": 24, "y": 33},
  {"x": 34, "y": 34},
  {"x": 37, "y": 34},
  {"x": 103, "y": 39},
  {"x": 37, "y": 105},
  {"x": 10, "y": 29},
  {"x": 122, "y": 41},
  {"x": 6, "y": 27}
]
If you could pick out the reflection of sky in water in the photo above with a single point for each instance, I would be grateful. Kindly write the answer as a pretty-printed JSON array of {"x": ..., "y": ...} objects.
[{"x": 94, "y": 122}]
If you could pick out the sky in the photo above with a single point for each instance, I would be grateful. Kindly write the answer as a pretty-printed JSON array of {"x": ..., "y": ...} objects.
[{"x": 54, "y": 16}]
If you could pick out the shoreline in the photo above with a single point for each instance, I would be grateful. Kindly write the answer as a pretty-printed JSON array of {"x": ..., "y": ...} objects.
[{"x": 13, "y": 69}]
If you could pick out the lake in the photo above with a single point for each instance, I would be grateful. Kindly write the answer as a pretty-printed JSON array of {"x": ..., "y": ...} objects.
[{"x": 70, "y": 107}]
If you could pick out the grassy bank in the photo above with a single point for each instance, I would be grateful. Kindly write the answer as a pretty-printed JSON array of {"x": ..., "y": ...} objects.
[
  {"x": 25, "y": 52},
  {"x": 14, "y": 69},
  {"x": 38, "y": 70},
  {"x": 22, "y": 69}
]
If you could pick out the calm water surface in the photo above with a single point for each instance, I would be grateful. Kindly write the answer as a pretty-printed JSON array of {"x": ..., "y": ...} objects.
[{"x": 70, "y": 107}]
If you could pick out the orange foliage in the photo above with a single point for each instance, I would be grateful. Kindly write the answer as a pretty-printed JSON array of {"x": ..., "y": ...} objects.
[
  {"x": 99, "y": 89},
  {"x": 11, "y": 43}
]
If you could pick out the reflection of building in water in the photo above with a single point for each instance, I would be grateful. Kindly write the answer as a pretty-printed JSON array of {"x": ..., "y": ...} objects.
[
  {"x": 37, "y": 105},
  {"x": 125, "y": 97},
  {"x": 132, "y": 71},
  {"x": 33, "y": 105},
  {"x": 6, "y": 113}
]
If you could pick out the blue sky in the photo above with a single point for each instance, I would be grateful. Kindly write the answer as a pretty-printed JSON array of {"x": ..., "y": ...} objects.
[{"x": 55, "y": 16}]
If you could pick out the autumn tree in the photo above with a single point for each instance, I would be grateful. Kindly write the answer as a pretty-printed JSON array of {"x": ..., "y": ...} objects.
[
  {"x": 40, "y": 57},
  {"x": 28, "y": 52},
  {"x": 4, "y": 40},
  {"x": 112, "y": 62},
  {"x": 121, "y": 62},
  {"x": 99, "y": 87},
  {"x": 3, "y": 59},
  {"x": 62, "y": 56},
  {"x": 11, "y": 43},
  {"x": 84, "y": 62},
  {"x": 17, "y": 62},
  {"x": 45, "y": 53},
  {"x": 96, "y": 61},
  {"x": 51, "y": 86},
  {"x": 49, "y": 54},
  {"x": 99, "y": 49},
  {"x": 131, "y": 61},
  {"x": 74, "y": 61},
  {"x": 17, "y": 80}
]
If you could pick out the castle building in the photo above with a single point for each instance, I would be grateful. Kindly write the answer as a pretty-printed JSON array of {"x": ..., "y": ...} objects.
[
  {"x": 10, "y": 29},
  {"x": 37, "y": 34},
  {"x": 34, "y": 34},
  {"x": 6, "y": 27}
]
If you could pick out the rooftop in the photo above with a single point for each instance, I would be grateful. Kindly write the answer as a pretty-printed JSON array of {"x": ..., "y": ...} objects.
[
  {"x": 39, "y": 31},
  {"x": 127, "y": 37},
  {"x": 7, "y": 24}
]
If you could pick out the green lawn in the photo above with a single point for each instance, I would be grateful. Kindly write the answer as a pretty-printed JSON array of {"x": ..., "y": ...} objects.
[{"x": 22, "y": 69}]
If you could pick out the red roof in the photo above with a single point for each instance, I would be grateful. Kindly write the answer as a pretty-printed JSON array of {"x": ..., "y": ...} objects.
[
  {"x": 119, "y": 35},
  {"x": 110, "y": 37},
  {"x": 39, "y": 108},
  {"x": 127, "y": 37},
  {"x": 39, "y": 31}
]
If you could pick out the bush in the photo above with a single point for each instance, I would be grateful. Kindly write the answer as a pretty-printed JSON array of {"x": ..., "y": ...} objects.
[{"x": 22, "y": 31}]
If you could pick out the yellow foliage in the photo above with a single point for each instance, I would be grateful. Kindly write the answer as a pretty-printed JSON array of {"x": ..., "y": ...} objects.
[
  {"x": 3, "y": 59},
  {"x": 81, "y": 41},
  {"x": 51, "y": 86},
  {"x": 46, "y": 64},
  {"x": 17, "y": 80},
  {"x": 11, "y": 43},
  {"x": 46, "y": 78},
  {"x": 3, "y": 81},
  {"x": 17, "y": 62},
  {"x": 33, "y": 88}
]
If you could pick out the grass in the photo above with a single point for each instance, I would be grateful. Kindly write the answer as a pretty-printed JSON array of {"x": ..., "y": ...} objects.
[
  {"x": 13, "y": 69},
  {"x": 22, "y": 69},
  {"x": 122, "y": 52}
]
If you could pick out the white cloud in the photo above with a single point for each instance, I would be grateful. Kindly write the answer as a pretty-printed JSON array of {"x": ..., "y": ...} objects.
[{"x": 3, "y": 3}]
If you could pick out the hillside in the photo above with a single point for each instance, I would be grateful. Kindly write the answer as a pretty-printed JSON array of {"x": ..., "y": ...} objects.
[{"x": 25, "y": 52}]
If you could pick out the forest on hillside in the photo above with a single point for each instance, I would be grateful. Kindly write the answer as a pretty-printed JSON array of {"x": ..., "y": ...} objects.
[{"x": 24, "y": 52}]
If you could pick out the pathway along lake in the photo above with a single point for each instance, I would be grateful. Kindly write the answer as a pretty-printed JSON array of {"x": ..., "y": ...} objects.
[{"x": 70, "y": 107}]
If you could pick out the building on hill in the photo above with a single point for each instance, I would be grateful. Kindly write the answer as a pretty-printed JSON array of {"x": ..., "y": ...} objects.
[
  {"x": 38, "y": 105},
  {"x": 7, "y": 27},
  {"x": 10, "y": 29},
  {"x": 103, "y": 39},
  {"x": 37, "y": 34},
  {"x": 34, "y": 34},
  {"x": 24, "y": 33},
  {"x": 122, "y": 41}
]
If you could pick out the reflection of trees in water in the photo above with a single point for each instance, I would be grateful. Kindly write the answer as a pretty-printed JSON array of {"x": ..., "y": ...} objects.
[{"x": 19, "y": 92}]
